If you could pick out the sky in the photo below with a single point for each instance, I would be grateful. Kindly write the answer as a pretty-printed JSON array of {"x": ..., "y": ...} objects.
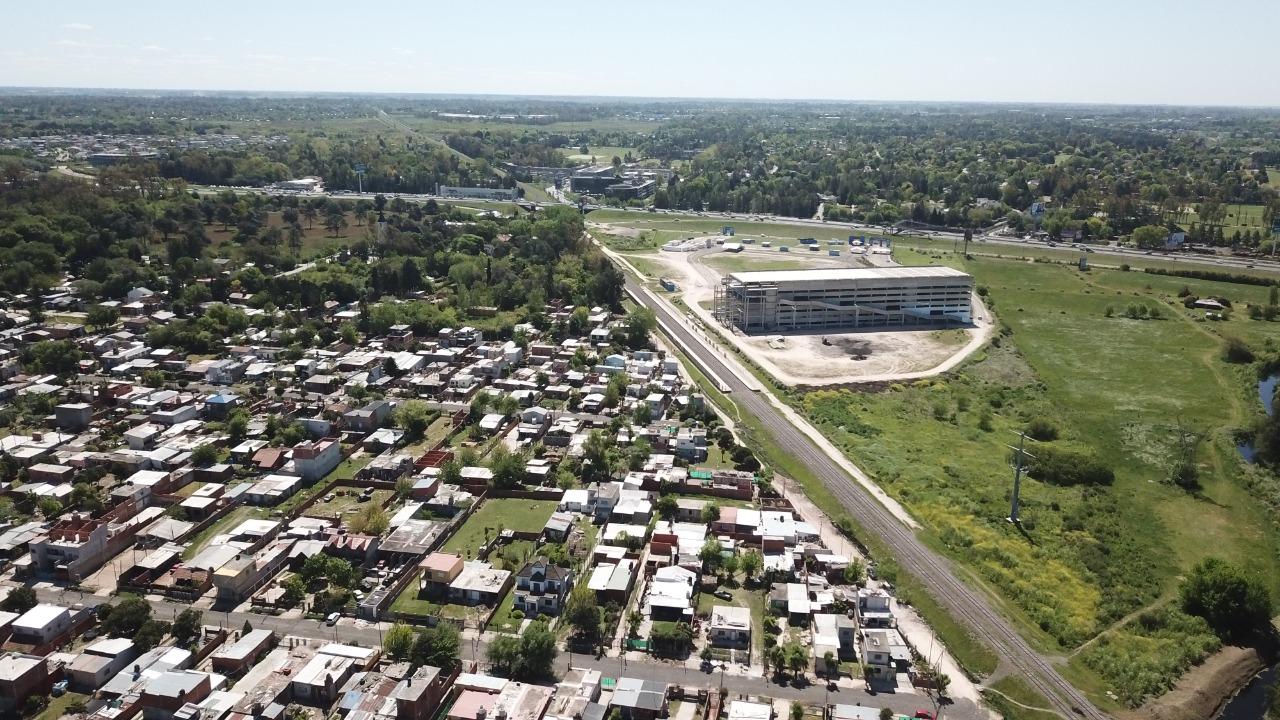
[{"x": 1175, "y": 52}]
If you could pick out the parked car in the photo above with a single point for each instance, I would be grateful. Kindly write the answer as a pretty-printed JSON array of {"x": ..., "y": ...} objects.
[
  {"x": 723, "y": 594},
  {"x": 332, "y": 619}
]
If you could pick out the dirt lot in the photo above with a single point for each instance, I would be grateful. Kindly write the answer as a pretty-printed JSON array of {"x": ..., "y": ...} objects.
[
  {"x": 803, "y": 359},
  {"x": 1206, "y": 688},
  {"x": 844, "y": 357}
]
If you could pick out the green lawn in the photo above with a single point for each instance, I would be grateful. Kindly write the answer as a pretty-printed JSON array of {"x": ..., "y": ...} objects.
[
  {"x": 228, "y": 521},
  {"x": 652, "y": 268},
  {"x": 1238, "y": 218},
  {"x": 1273, "y": 177},
  {"x": 58, "y": 705},
  {"x": 347, "y": 469},
  {"x": 1016, "y": 689},
  {"x": 744, "y": 262},
  {"x": 535, "y": 192},
  {"x": 408, "y": 602},
  {"x": 345, "y": 502},
  {"x": 754, "y": 600},
  {"x": 503, "y": 621},
  {"x": 438, "y": 430},
  {"x": 496, "y": 515},
  {"x": 598, "y": 154}
]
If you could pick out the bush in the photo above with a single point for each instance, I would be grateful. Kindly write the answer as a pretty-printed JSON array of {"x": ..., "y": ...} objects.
[
  {"x": 1237, "y": 605},
  {"x": 1065, "y": 467},
  {"x": 1236, "y": 351},
  {"x": 1041, "y": 429}
]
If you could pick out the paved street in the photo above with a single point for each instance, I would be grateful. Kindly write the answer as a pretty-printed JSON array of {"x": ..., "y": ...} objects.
[{"x": 356, "y": 632}]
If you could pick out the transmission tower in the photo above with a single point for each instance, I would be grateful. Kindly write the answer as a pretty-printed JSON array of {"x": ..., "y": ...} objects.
[{"x": 1019, "y": 454}]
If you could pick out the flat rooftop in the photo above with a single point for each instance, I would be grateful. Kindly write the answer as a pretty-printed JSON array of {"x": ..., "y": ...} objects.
[{"x": 836, "y": 274}]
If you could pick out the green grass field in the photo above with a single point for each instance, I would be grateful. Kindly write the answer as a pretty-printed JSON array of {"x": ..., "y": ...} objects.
[
  {"x": 1238, "y": 218},
  {"x": 409, "y": 602},
  {"x": 651, "y": 268},
  {"x": 345, "y": 502},
  {"x": 497, "y": 515},
  {"x": 599, "y": 154},
  {"x": 1114, "y": 387},
  {"x": 535, "y": 192},
  {"x": 741, "y": 263}
]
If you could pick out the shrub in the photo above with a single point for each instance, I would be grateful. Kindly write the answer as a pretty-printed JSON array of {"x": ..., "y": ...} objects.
[
  {"x": 1041, "y": 429},
  {"x": 1065, "y": 467},
  {"x": 1234, "y": 603},
  {"x": 1236, "y": 351}
]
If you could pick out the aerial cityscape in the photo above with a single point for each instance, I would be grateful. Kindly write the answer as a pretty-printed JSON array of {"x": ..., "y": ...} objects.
[{"x": 357, "y": 380}]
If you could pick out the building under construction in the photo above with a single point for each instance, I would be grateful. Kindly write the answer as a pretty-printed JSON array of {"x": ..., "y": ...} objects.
[{"x": 786, "y": 300}]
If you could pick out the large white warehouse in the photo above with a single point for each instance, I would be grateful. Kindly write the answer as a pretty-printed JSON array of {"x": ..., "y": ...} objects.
[{"x": 784, "y": 300}]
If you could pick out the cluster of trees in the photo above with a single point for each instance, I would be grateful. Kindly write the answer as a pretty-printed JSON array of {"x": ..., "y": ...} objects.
[
  {"x": 131, "y": 617},
  {"x": 1235, "y": 603},
  {"x": 436, "y": 646},
  {"x": 530, "y": 656},
  {"x": 887, "y": 164}
]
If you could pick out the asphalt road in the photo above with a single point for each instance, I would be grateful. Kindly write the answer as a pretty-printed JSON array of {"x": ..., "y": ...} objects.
[{"x": 968, "y": 606}]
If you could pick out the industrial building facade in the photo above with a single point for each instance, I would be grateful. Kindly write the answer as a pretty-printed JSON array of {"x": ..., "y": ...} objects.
[{"x": 786, "y": 300}]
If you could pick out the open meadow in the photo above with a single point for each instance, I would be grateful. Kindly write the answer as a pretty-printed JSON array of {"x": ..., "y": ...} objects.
[{"x": 1121, "y": 392}]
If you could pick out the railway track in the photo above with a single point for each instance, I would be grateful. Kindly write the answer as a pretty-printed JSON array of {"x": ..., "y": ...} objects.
[{"x": 934, "y": 572}]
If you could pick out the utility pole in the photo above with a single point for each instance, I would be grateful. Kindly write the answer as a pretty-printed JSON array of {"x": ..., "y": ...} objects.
[
  {"x": 360, "y": 169},
  {"x": 1018, "y": 455}
]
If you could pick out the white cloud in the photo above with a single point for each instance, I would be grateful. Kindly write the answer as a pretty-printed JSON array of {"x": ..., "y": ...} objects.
[
  {"x": 83, "y": 27},
  {"x": 70, "y": 43},
  {"x": 403, "y": 51},
  {"x": 153, "y": 48}
]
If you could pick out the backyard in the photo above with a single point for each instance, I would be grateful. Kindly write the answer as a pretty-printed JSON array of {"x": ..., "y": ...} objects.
[
  {"x": 496, "y": 515},
  {"x": 345, "y": 501}
]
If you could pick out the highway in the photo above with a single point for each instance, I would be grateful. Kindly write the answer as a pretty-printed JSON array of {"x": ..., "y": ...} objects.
[{"x": 936, "y": 573}]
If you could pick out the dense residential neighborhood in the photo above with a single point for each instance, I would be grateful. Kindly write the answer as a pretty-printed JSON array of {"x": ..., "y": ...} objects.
[
  {"x": 415, "y": 371},
  {"x": 550, "y": 494}
]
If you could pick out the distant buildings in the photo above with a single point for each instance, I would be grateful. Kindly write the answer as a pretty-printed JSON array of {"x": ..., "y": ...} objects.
[{"x": 607, "y": 180}]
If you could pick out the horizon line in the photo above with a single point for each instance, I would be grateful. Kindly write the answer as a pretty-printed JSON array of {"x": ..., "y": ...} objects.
[{"x": 54, "y": 89}]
